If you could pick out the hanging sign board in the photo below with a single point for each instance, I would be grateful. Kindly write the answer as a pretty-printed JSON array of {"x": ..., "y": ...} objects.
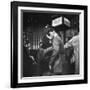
[
  {"x": 57, "y": 22},
  {"x": 61, "y": 20}
]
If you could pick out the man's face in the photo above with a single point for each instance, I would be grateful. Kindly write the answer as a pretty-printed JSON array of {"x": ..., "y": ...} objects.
[{"x": 51, "y": 34}]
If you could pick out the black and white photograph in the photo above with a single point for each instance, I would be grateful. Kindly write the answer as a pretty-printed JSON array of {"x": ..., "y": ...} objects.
[{"x": 50, "y": 43}]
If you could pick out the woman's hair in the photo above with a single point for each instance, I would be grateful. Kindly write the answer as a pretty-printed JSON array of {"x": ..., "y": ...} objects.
[
  {"x": 45, "y": 42},
  {"x": 47, "y": 30},
  {"x": 51, "y": 29}
]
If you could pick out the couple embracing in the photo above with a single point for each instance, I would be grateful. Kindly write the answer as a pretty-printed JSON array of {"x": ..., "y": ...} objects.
[{"x": 56, "y": 49}]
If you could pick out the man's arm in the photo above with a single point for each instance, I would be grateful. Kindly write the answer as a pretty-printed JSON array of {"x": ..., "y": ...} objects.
[{"x": 48, "y": 50}]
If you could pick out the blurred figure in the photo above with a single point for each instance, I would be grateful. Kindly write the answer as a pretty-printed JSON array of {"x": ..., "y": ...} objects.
[
  {"x": 68, "y": 68},
  {"x": 43, "y": 59},
  {"x": 75, "y": 58},
  {"x": 29, "y": 62}
]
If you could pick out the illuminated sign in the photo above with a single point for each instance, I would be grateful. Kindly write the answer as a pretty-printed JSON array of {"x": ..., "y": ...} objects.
[
  {"x": 60, "y": 20},
  {"x": 57, "y": 21}
]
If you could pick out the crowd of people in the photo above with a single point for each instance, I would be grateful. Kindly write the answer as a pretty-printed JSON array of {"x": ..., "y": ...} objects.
[
  {"x": 54, "y": 57},
  {"x": 61, "y": 58}
]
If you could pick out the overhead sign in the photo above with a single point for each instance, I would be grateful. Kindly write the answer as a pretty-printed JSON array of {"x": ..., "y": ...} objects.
[
  {"x": 57, "y": 21},
  {"x": 66, "y": 22},
  {"x": 61, "y": 20}
]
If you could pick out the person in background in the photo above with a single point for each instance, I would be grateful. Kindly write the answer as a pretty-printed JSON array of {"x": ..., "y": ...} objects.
[{"x": 74, "y": 41}]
